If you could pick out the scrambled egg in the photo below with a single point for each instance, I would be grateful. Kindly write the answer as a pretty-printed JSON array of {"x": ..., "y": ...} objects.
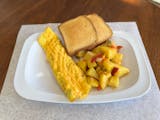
[{"x": 69, "y": 76}]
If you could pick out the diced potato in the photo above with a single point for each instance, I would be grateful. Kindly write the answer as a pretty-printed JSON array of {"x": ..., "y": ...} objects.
[
  {"x": 114, "y": 81},
  {"x": 91, "y": 64},
  {"x": 93, "y": 82},
  {"x": 80, "y": 53},
  {"x": 108, "y": 65},
  {"x": 121, "y": 71},
  {"x": 88, "y": 55},
  {"x": 103, "y": 80},
  {"x": 97, "y": 50},
  {"x": 82, "y": 64},
  {"x": 118, "y": 58},
  {"x": 92, "y": 73},
  {"x": 109, "y": 52},
  {"x": 98, "y": 70},
  {"x": 112, "y": 52},
  {"x": 109, "y": 43},
  {"x": 102, "y": 65}
]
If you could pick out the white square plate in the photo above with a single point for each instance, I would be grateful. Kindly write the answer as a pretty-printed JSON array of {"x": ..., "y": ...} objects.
[{"x": 35, "y": 81}]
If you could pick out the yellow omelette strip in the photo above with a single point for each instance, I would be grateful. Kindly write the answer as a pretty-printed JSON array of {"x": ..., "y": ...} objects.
[{"x": 69, "y": 76}]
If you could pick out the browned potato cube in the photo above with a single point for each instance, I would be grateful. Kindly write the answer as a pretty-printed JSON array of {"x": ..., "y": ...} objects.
[
  {"x": 114, "y": 82},
  {"x": 93, "y": 82},
  {"x": 82, "y": 64},
  {"x": 118, "y": 58},
  {"x": 81, "y": 53},
  {"x": 97, "y": 50},
  {"x": 88, "y": 55},
  {"x": 122, "y": 71},
  {"x": 108, "y": 65},
  {"x": 92, "y": 73},
  {"x": 108, "y": 51},
  {"x": 104, "y": 77},
  {"x": 98, "y": 70}
]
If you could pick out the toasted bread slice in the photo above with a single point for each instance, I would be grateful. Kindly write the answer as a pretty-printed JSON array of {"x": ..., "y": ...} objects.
[
  {"x": 102, "y": 29},
  {"x": 78, "y": 33}
]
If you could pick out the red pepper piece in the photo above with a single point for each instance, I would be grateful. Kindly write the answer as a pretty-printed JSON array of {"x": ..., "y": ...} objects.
[
  {"x": 114, "y": 70},
  {"x": 119, "y": 47},
  {"x": 99, "y": 88},
  {"x": 113, "y": 46},
  {"x": 97, "y": 56}
]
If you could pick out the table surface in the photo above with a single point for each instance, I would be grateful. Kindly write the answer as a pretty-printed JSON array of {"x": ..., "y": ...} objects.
[{"x": 15, "y": 13}]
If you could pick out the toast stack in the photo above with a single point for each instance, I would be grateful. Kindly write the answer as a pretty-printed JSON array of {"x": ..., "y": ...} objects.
[{"x": 84, "y": 32}]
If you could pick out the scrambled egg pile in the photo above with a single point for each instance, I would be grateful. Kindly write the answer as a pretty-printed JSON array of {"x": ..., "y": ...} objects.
[{"x": 69, "y": 76}]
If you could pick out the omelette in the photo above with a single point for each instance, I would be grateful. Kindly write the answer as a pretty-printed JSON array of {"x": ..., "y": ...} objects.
[{"x": 69, "y": 76}]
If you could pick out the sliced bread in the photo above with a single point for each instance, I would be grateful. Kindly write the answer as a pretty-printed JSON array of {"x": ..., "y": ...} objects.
[
  {"x": 78, "y": 33},
  {"x": 102, "y": 29}
]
